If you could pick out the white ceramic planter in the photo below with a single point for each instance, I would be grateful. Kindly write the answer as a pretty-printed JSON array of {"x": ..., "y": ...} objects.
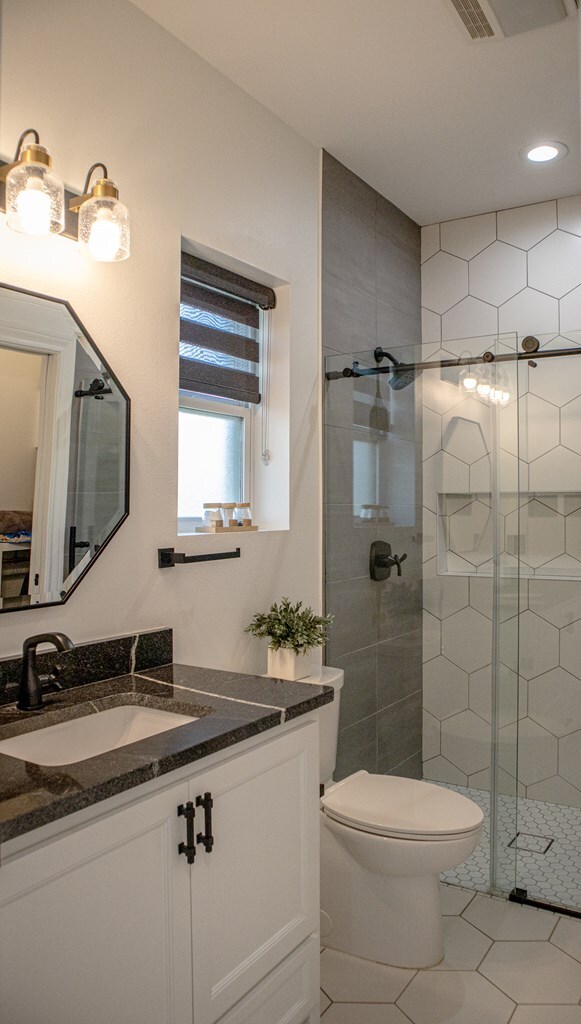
[{"x": 285, "y": 664}]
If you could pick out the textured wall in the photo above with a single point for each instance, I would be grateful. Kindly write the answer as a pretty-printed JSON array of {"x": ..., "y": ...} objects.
[
  {"x": 515, "y": 271},
  {"x": 371, "y": 296}
]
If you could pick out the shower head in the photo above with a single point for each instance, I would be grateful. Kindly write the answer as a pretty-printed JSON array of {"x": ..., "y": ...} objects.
[{"x": 402, "y": 374}]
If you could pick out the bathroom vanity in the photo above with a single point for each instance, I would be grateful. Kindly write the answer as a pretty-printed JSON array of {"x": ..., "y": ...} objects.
[{"x": 173, "y": 880}]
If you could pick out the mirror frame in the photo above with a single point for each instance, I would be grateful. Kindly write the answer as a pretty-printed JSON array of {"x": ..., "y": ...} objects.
[{"x": 123, "y": 392}]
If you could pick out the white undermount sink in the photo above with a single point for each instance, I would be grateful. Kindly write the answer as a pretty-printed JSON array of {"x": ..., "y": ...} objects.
[{"x": 90, "y": 735}]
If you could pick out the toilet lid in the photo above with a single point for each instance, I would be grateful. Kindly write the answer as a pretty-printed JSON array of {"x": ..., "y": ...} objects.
[{"x": 405, "y": 808}]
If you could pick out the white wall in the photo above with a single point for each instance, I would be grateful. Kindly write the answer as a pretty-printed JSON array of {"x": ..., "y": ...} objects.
[
  {"x": 194, "y": 157},
  {"x": 19, "y": 404},
  {"x": 514, "y": 271}
]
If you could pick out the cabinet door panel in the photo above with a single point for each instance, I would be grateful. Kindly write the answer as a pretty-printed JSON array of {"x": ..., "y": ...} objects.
[
  {"x": 287, "y": 995},
  {"x": 255, "y": 897},
  {"x": 95, "y": 927}
]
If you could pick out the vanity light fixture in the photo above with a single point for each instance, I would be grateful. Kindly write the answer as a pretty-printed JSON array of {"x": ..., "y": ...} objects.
[
  {"x": 35, "y": 196},
  {"x": 469, "y": 381},
  {"x": 103, "y": 228}
]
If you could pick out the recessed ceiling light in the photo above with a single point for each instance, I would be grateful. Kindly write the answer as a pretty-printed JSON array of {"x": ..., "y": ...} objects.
[{"x": 544, "y": 152}]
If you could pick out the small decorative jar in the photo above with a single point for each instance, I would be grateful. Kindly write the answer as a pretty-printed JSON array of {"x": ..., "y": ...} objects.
[
  {"x": 229, "y": 509},
  {"x": 244, "y": 513}
]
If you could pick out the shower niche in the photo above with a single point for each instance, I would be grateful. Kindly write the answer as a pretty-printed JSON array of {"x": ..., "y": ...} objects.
[{"x": 537, "y": 534}]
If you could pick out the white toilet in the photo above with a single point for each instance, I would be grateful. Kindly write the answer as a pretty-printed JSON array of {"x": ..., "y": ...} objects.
[{"x": 384, "y": 842}]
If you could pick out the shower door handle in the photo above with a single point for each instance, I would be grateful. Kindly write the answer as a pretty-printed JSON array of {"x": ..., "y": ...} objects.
[{"x": 381, "y": 561}]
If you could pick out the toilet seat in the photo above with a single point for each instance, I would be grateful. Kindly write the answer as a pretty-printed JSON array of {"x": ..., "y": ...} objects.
[{"x": 387, "y": 805}]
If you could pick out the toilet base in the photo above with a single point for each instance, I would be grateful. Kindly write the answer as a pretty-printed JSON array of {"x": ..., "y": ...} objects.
[
  {"x": 396, "y": 921},
  {"x": 393, "y": 918}
]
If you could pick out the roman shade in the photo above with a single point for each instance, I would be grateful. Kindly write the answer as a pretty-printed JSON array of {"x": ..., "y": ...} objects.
[{"x": 220, "y": 330}]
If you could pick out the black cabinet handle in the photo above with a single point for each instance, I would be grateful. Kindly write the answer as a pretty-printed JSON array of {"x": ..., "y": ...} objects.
[
  {"x": 189, "y": 847},
  {"x": 206, "y": 838}
]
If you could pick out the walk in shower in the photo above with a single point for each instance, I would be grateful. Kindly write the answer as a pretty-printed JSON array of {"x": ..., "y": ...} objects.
[{"x": 453, "y": 569}]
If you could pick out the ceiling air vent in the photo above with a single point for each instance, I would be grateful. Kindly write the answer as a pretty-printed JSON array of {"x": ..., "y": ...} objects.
[
  {"x": 475, "y": 21},
  {"x": 485, "y": 19}
]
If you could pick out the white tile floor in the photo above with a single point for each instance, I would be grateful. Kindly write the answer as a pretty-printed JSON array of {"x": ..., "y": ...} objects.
[
  {"x": 554, "y": 876},
  {"x": 504, "y": 962}
]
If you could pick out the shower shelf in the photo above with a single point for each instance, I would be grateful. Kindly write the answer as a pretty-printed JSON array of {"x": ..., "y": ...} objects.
[{"x": 540, "y": 534}]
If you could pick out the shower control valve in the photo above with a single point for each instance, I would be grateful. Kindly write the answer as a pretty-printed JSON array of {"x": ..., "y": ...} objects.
[{"x": 382, "y": 561}]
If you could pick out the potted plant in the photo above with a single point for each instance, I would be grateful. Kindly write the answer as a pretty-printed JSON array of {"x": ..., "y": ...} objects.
[{"x": 292, "y": 632}]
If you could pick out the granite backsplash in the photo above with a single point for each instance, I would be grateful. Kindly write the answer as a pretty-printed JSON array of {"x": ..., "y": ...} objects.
[{"x": 91, "y": 662}]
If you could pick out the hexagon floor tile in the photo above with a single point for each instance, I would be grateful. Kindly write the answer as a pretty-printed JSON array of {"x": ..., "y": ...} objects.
[
  {"x": 544, "y": 1014},
  {"x": 501, "y": 920},
  {"x": 456, "y": 997},
  {"x": 531, "y": 972},
  {"x": 348, "y": 980},
  {"x": 465, "y": 946},
  {"x": 567, "y": 936},
  {"x": 364, "y": 1013}
]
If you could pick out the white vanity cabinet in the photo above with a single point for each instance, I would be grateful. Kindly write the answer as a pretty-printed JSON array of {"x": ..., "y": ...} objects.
[{"x": 109, "y": 924}]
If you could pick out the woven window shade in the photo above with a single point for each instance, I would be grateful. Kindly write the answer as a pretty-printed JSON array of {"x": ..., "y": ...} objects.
[{"x": 219, "y": 331}]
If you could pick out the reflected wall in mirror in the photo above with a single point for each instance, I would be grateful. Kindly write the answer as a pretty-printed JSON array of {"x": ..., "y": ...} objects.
[{"x": 64, "y": 450}]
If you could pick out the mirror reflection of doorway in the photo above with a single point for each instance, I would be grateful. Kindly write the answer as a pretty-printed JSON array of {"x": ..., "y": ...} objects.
[{"x": 21, "y": 381}]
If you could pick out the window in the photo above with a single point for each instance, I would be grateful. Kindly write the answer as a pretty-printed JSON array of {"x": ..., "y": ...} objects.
[{"x": 221, "y": 318}]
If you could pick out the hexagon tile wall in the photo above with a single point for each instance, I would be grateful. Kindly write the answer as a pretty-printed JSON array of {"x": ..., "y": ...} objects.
[{"x": 514, "y": 271}]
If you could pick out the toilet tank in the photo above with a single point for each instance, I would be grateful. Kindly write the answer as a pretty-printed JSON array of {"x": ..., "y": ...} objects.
[{"x": 328, "y": 717}]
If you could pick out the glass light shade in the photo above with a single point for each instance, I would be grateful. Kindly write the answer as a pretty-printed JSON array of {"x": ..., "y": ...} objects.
[
  {"x": 469, "y": 382},
  {"x": 104, "y": 229},
  {"x": 35, "y": 200},
  {"x": 483, "y": 389}
]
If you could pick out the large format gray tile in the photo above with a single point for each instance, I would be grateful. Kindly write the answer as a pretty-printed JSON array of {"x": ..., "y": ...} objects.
[
  {"x": 348, "y": 247},
  {"x": 348, "y": 540},
  {"x": 348, "y": 190},
  {"x": 399, "y": 732},
  {"x": 349, "y": 316},
  {"x": 399, "y": 668},
  {"x": 397, "y": 226},
  {"x": 400, "y": 605},
  {"x": 411, "y": 768},
  {"x": 357, "y": 748},
  {"x": 354, "y": 603},
  {"x": 358, "y": 696},
  {"x": 398, "y": 277},
  {"x": 349, "y": 401},
  {"x": 339, "y": 466},
  {"x": 398, "y": 471},
  {"x": 396, "y": 330}
]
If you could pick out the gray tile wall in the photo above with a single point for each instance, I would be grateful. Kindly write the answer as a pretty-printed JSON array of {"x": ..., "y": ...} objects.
[{"x": 371, "y": 296}]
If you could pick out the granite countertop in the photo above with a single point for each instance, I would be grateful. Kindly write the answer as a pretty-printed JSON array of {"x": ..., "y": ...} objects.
[{"x": 229, "y": 706}]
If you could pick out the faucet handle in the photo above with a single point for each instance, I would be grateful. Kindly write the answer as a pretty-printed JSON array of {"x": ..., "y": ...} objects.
[
  {"x": 398, "y": 559},
  {"x": 51, "y": 678}
]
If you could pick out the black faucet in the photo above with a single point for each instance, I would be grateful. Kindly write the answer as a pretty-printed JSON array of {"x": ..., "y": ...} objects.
[{"x": 31, "y": 681}]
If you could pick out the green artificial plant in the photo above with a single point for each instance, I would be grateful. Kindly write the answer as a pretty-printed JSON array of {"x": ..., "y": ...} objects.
[{"x": 290, "y": 626}]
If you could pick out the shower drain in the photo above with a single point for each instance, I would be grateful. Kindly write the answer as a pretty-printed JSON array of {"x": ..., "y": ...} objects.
[{"x": 526, "y": 842}]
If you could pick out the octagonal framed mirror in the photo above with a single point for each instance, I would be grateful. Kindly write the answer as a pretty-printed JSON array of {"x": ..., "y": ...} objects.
[{"x": 64, "y": 450}]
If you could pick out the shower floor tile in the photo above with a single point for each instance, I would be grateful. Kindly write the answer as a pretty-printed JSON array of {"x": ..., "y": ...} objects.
[{"x": 554, "y": 876}]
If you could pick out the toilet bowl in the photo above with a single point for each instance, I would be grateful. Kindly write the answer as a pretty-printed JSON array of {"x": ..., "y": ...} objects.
[{"x": 384, "y": 842}]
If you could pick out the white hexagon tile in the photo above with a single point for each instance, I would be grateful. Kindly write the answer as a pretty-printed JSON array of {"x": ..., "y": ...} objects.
[
  {"x": 518, "y": 272},
  {"x": 524, "y": 226},
  {"x": 498, "y": 273},
  {"x": 444, "y": 282}
]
